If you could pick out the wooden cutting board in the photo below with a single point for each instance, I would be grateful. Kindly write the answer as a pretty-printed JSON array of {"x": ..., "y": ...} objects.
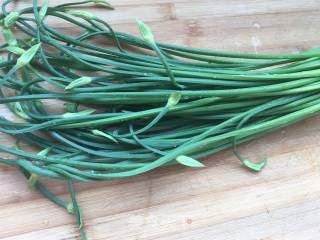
[{"x": 222, "y": 201}]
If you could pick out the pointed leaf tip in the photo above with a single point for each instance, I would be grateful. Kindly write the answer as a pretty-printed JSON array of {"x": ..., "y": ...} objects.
[
  {"x": 18, "y": 110},
  {"x": 27, "y": 56},
  {"x": 44, "y": 9},
  {"x": 145, "y": 32},
  {"x": 70, "y": 208},
  {"x": 174, "y": 99},
  {"x": 103, "y": 134},
  {"x": 255, "y": 166},
  {"x": 82, "y": 14},
  {"x": 103, "y": 3},
  {"x": 10, "y": 19},
  {"x": 16, "y": 50},
  {"x": 9, "y": 37},
  {"x": 44, "y": 152},
  {"x": 188, "y": 161},
  {"x": 78, "y": 82},
  {"x": 78, "y": 114},
  {"x": 33, "y": 179}
]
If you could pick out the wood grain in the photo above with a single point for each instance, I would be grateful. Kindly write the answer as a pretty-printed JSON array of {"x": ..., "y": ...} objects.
[{"x": 222, "y": 201}]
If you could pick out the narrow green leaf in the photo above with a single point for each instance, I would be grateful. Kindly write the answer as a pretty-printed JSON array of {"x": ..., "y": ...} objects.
[
  {"x": 79, "y": 82},
  {"x": 27, "y": 56},
  {"x": 255, "y": 166},
  {"x": 188, "y": 161},
  {"x": 9, "y": 37},
  {"x": 43, "y": 9},
  {"x": 16, "y": 50},
  {"x": 78, "y": 114},
  {"x": 145, "y": 32},
  {"x": 10, "y": 19},
  {"x": 82, "y": 14},
  {"x": 103, "y": 134},
  {"x": 174, "y": 99}
]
